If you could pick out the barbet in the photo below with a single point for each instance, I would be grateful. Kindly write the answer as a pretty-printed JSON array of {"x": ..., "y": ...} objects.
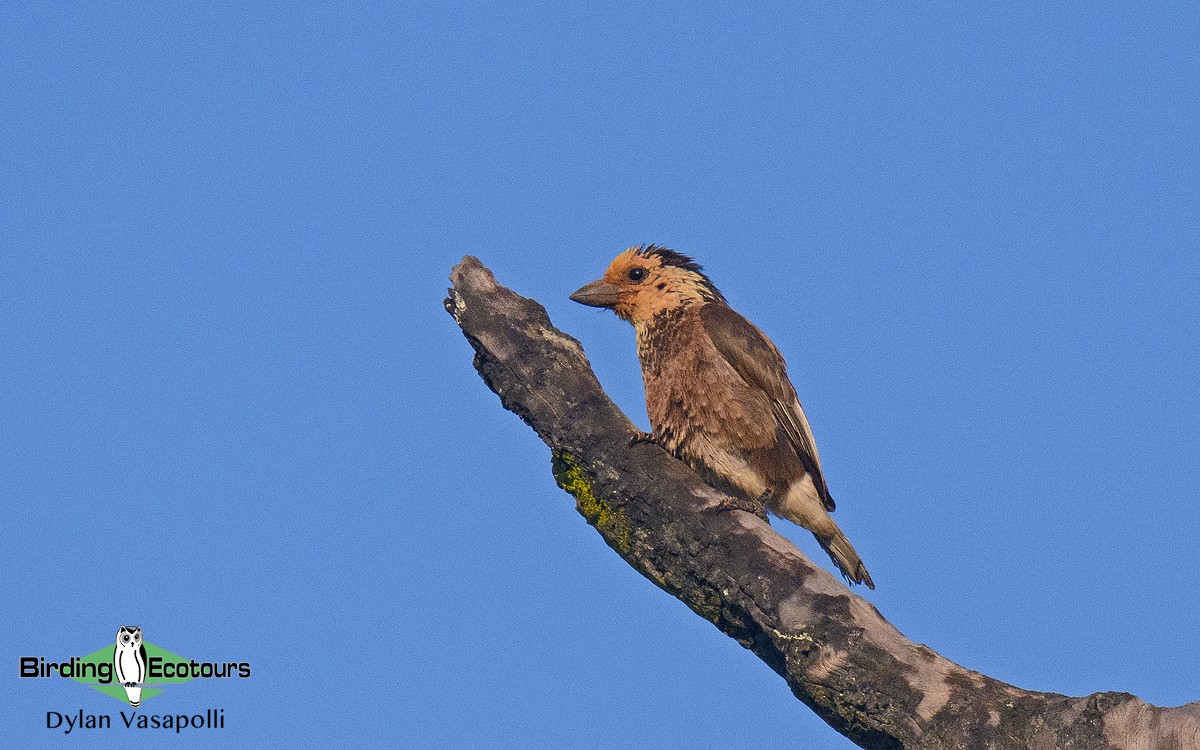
[{"x": 718, "y": 394}]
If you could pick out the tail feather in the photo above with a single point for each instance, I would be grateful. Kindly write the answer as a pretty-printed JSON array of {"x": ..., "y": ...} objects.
[
  {"x": 847, "y": 560},
  {"x": 802, "y": 504}
]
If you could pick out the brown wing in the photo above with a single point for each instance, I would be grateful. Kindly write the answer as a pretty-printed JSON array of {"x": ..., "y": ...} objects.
[{"x": 759, "y": 363}]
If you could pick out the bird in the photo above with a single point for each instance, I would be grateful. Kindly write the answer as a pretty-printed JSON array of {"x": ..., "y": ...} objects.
[
  {"x": 718, "y": 394},
  {"x": 129, "y": 660}
]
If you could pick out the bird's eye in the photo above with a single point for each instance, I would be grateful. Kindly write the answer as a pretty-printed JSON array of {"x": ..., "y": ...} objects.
[
  {"x": 637, "y": 274},
  {"x": 125, "y": 638}
]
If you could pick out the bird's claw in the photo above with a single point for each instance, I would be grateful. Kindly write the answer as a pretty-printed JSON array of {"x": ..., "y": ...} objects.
[
  {"x": 750, "y": 506},
  {"x": 643, "y": 437}
]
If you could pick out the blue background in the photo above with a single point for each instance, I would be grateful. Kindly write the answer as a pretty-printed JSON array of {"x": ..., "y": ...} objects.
[{"x": 235, "y": 412}]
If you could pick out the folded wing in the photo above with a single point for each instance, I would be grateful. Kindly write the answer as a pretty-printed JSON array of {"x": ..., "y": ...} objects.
[{"x": 758, "y": 362}]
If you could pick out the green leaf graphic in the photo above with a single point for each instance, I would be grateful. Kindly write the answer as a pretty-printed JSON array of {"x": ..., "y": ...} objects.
[{"x": 114, "y": 689}]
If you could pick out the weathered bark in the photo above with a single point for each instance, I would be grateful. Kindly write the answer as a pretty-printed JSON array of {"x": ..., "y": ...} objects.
[{"x": 836, "y": 651}]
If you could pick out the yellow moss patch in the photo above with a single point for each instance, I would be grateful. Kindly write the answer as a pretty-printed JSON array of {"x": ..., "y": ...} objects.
[
  {"x": 610, "y": 522},
  {"x": 709, "y": 607}
]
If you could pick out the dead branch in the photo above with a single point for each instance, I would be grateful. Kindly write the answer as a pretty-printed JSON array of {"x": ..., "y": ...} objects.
[{"x": 838, "y": 654}]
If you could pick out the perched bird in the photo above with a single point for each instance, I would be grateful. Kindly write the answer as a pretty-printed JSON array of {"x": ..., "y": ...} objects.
[{"x": 718, "y": 394}]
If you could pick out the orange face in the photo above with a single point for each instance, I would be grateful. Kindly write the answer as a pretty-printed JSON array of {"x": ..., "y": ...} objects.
[{"x": 645, "y": 281}]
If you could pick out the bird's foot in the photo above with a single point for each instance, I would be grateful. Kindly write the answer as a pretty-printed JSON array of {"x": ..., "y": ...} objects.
[
  {"x": 644, "y": 437},
  {"x": 757, "y": 507}
]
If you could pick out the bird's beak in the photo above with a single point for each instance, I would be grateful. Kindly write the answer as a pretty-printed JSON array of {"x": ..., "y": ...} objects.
[{"x": 597, "y": 294}]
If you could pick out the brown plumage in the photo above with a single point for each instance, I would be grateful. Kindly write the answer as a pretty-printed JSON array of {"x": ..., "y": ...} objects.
[{"x": 718, "y": 394}]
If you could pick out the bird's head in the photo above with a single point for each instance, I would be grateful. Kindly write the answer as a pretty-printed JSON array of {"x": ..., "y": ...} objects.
[{"x": 647, "y": 280}]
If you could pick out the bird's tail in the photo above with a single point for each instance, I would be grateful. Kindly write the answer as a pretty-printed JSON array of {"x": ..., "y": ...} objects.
[
  {"x": 802, "y": 504},
  {"x": 844, "y": 556}
]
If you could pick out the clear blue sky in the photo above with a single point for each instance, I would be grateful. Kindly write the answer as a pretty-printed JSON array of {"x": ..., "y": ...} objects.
[{"x": 236, "y": 414}]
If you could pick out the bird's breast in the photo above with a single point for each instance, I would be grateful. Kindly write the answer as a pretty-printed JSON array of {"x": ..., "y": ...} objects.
[{"x": 702, "y": 410}]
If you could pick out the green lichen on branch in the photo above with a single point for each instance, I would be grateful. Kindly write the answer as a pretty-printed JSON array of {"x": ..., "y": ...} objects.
[
  {"x": 610, "y": 522},
  {"x": 708, "y": 605}
]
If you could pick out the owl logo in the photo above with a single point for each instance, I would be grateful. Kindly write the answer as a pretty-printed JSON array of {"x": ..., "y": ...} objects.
[{"x": 129, "y": 662}]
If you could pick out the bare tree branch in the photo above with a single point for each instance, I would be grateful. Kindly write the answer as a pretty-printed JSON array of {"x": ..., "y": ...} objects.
[{"x": 836, "y": 651}]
